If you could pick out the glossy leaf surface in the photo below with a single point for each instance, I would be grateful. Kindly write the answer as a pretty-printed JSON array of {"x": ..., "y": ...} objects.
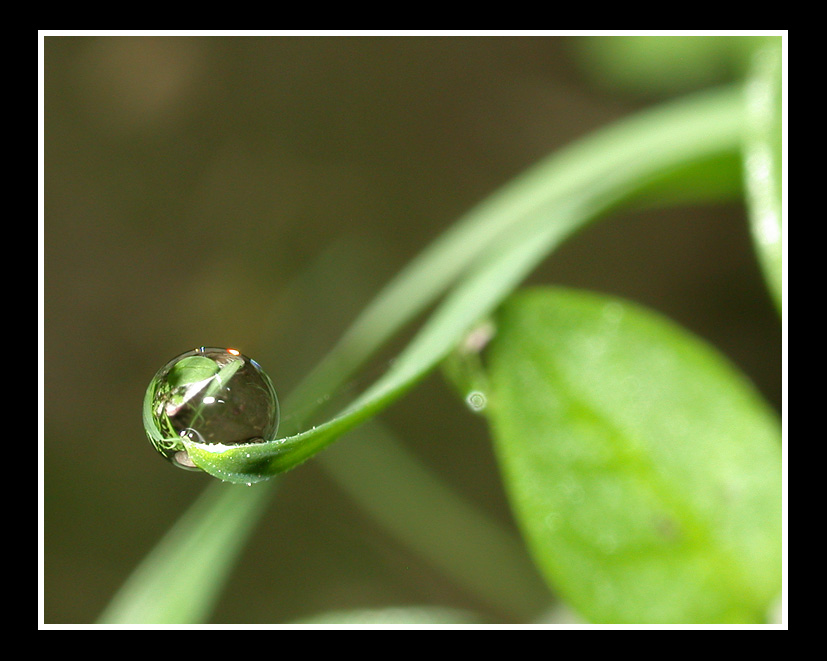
[{"x": 644, "y": 468}]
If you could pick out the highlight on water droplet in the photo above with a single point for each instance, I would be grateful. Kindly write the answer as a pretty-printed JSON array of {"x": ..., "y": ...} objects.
[{"x": 209, "y": 395}]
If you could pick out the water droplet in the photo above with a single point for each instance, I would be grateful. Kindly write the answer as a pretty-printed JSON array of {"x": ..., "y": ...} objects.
[
  {"x": 209, "y": 395},
  {"x": 477, "y": 401}
]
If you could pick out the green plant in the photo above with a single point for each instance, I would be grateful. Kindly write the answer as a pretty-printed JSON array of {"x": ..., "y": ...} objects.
[{"x": 643, "y": 469}]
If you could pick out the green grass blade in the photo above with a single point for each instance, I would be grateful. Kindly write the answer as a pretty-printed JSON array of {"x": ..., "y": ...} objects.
[
  {"x": 180, "y": 580},
  {"x": 700, "y": 165},
  {"x": 533, "y": 215},
  {"x": 763, "y": 164},
  {"x": 645, "y": 469},
  {"x": 426, "y": 515}
]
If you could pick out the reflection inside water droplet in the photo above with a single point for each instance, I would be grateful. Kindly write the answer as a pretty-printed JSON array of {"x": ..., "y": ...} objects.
[{"x": 182, "y": 460}]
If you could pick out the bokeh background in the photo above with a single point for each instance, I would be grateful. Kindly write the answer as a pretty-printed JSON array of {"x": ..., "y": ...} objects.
[{"x": 256, "y": 192}]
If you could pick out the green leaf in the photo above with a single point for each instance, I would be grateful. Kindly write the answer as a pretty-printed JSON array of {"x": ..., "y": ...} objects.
[
  {"x": 763, "y": 164},
  {"x": 191, "y": 370},
  {"x": 644, "y": 469}
]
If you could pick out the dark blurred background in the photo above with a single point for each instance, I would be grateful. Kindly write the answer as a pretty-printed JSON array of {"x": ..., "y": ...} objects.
[{"x": 256, "y": 192}]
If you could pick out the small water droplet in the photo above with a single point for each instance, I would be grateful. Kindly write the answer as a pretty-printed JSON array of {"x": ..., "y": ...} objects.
[{"x": 477, "y": 401}]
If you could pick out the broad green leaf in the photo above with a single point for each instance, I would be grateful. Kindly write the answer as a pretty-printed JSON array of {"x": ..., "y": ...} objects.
[
  {"x": 763, "y": 164},
  {"x": 644, "y": 469}
]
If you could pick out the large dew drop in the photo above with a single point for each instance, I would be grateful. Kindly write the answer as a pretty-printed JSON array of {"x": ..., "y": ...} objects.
[{"x": 209, "y": 395}]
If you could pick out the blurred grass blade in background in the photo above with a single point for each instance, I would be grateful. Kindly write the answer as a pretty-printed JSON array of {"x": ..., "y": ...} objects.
[
  {"x": 431, "y": 518},
  {"x": 180, "y": 580},
  {"x": 763, "y": 164},
  {"x": 655, "y": 66}
]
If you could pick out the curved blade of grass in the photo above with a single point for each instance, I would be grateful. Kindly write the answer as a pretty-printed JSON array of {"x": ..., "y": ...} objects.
[
  {"x": 644, "y": 468},
  {"x": 533, "y": 216},
  {"x": 763, "y": 164},
  {"x": 179, "y": 581},
  {"x": 692, "y": 152}
]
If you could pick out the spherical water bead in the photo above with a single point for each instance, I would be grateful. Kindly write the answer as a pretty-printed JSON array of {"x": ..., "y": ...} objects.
[{"x": 209, "y": 395}]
